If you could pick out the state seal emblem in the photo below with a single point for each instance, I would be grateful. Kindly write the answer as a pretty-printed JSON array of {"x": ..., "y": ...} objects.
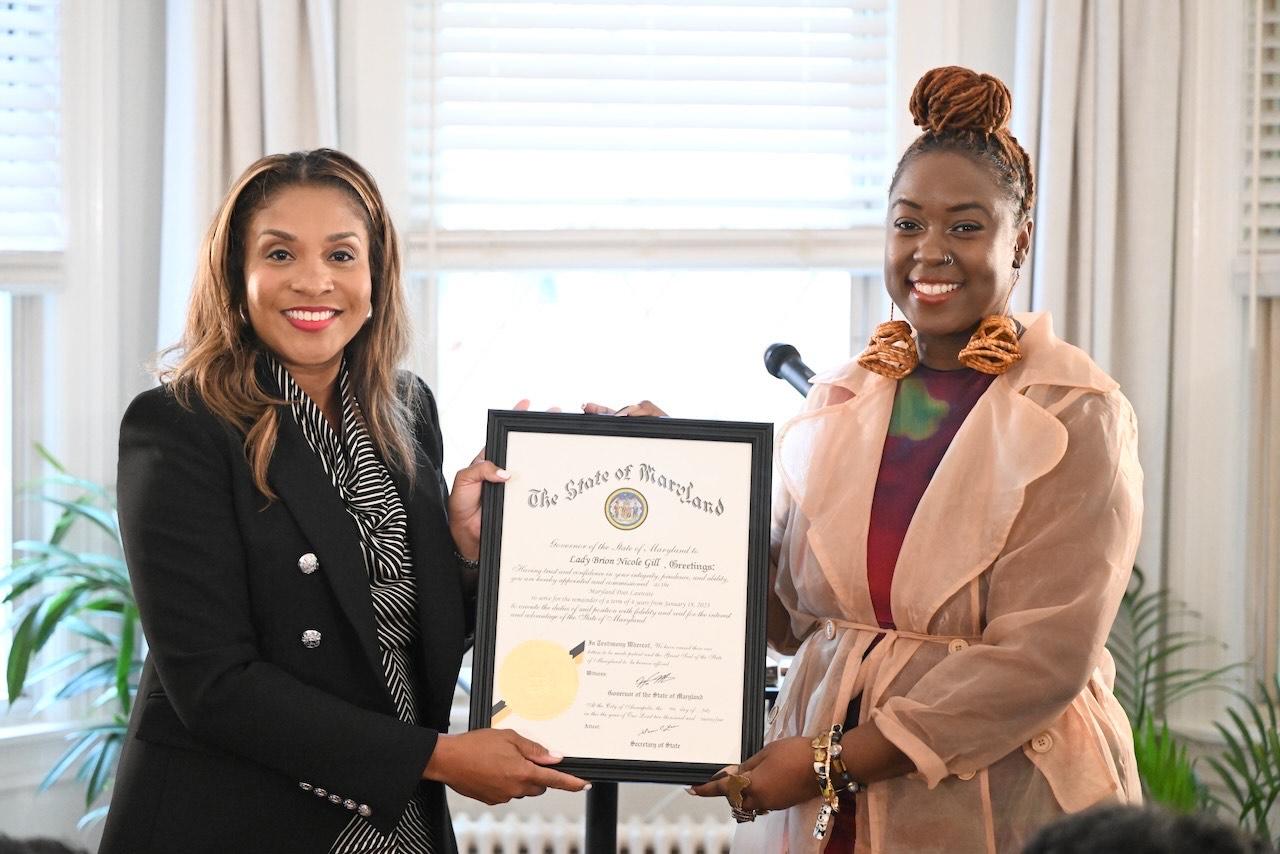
[{"x": 626, "y": 509}]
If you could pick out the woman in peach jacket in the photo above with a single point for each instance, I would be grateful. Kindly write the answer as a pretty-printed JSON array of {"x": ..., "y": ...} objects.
[{"x": 975, "y": 690}]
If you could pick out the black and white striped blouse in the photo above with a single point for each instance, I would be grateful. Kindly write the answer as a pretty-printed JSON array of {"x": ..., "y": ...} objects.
[{"x": 370, "y": 496}]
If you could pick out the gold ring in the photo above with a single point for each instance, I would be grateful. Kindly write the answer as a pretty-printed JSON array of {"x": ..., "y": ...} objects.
[
  {"x": 744, "y": 816},
  {"x": 734, "y": 787}
]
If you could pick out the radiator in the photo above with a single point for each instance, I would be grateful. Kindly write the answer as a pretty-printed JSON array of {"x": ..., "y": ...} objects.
[{"x": 515, "y": 834}]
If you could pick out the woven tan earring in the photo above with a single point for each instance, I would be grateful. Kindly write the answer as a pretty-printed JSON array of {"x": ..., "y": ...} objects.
[
  {"x": 891, "y": 352},
  {"x": 993, "y": 348}
]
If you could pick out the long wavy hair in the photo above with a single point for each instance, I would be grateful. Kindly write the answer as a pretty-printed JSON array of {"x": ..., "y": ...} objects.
[{"x": 217, "y": 357}]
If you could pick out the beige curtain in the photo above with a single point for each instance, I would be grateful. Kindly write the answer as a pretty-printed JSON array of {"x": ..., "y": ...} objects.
[
  {"x": 243, "y": 78},
  {"x": 1094, "y": 107},
  {"x": 1264, "y": 498}
]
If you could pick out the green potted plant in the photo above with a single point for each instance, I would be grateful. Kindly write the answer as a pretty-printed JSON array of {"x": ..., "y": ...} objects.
[
  {"x": 58, "y": 590},
  {"x": 1143, "y": 643},
  {"x": 1249, "y": 765}
]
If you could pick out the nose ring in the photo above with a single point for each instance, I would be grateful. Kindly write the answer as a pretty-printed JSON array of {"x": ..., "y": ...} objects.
[{"x": 947, "y": 260}]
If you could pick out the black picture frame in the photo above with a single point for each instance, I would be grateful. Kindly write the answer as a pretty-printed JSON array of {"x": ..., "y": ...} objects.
[{"x": 759, "y": 436}]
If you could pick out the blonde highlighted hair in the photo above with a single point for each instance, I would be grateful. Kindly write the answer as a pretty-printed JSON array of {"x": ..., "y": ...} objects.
[{"x": 217, "y": 358}]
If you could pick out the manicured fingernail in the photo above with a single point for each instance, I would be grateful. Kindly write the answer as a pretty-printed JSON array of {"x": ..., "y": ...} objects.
[
  {"x": 690, "y": 790},
  {"x": 586, "y": 788},
  {"x": 504, "y": 474},
  {"x": 555, "y": 756},
  {"x": 718, "y": 775}
]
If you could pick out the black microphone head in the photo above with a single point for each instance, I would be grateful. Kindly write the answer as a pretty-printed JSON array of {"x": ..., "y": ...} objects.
[{"x": 777, "y": 355}]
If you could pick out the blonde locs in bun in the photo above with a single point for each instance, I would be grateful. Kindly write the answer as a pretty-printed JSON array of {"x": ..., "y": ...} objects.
[{"x": 963, "y": 111}]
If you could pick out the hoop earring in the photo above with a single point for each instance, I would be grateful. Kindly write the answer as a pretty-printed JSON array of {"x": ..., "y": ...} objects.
[
  {"x": 891, "y": 352},
  {"x": 994, "y": 347}
]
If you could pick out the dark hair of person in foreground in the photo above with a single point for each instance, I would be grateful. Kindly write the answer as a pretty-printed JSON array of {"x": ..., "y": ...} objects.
[
  {"x": 9, "y": 845},
  {"x": 1142, "y": 830}
]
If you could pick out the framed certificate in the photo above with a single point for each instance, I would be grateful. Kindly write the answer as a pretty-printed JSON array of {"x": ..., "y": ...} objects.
[{"x": 623, "y": 572}]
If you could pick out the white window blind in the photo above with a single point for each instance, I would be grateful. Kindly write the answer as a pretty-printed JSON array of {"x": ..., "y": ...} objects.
[
  {"x": 30, "y": 176},
  {"x": 680, "y": 115},
  {"x": 1267, "y": 101}
]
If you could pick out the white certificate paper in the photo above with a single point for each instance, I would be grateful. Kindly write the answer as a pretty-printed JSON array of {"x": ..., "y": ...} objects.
[{"x": 620, "y": 629}]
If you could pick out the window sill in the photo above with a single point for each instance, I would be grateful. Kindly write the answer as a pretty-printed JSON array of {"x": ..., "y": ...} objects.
[{"x": 28, "y": 751}]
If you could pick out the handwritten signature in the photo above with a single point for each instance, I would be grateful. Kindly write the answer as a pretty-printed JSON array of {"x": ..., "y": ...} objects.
[
  {"x": 656, "y": 729},
  {"x": 654, "y": 679}
]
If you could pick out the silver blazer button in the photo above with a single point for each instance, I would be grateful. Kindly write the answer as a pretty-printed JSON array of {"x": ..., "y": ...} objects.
[
  {"x": 311, "y": 639},
  {"x": 308, "y": 563}
]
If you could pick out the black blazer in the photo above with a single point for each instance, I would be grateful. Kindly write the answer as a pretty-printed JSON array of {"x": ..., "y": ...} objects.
[{"x": 238, "y": 724}]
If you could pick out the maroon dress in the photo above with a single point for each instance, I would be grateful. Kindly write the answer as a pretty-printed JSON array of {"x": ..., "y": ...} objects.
[{"x": 928, "y": 408}]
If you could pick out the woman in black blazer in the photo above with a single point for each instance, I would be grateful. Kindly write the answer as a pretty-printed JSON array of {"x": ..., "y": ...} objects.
[{"x": 305, "y": 580}]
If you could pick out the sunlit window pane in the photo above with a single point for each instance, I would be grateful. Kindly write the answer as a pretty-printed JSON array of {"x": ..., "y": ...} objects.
[{"x": 691, "y": 341}]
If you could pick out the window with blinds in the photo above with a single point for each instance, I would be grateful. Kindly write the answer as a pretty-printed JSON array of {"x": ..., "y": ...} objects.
[
  {"x": 686, "y": 114},
  {"x": 30, "y": 177},
  {"x": 1264, "y": 102}
]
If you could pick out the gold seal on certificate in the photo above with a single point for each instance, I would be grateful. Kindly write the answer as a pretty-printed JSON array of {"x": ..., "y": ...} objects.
[
  {"x": 621, "y": 603},
  {"x": 539, "y": 679}
]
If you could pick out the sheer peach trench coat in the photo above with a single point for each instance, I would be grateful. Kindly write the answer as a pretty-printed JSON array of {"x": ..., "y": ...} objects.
[{"x": 996, "y": 682}]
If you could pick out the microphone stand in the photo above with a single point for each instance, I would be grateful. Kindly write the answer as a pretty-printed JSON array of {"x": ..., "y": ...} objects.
[{"x": 602, "y": 817}]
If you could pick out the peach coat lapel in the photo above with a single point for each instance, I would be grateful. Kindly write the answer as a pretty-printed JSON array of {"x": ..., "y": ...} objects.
[{"x": 830, "y": 459}]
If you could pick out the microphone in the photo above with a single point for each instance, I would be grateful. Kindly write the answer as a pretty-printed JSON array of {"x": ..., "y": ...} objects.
[{"x": 783, "y": 361}]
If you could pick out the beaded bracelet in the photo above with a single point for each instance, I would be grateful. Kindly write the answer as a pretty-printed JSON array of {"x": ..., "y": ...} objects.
[
  {"x": 833, "y": 777},
  {"x": 826, "y": 747}
]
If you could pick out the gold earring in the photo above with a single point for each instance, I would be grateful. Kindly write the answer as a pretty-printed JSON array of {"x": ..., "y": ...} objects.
[
  {"x": 993, "y": 348},
  {"x": 891, "y": 352}
]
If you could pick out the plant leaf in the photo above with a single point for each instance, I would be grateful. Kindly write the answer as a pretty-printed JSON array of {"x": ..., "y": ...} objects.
[
  {"x": 54, "y": 609},
  {"x": 62, "y": 479},
  {"x": 124, "y": 662},
  {"x": 21, "y": 651},
  {"x": 86, "y": 740},
  {"x": 104, "y": 519},
  {"x": 103, "y": 769},
  {"x": 93, "y": 817},
  {"x": 48, "y": 457},
  {"x": 42, "y": 673},
  {"x": 80, "y": 627}
]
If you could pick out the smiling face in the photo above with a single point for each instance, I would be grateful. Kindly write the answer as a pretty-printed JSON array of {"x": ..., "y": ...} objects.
[
  {"x": 953, "y": 240},
  {"x": 308, "y": 286}
]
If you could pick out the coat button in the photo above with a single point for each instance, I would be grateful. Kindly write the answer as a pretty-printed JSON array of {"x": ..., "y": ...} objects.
[
  {"x": 335, "y": 799},
  {"x": 967, "y": 775},
  {"x": 830, "y": 630},
  {"x": 311, "y": 639},
  {"x": 349, "y": 804},
  {"x": 364, "y": 810},
  {"x": 1042, "y": 743},
  {"x": 306, "y": 787},
  {"x": 957, "y": 644},
  {"x": 320, "y": 793},
  {"x": 308, "y": 563}
]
